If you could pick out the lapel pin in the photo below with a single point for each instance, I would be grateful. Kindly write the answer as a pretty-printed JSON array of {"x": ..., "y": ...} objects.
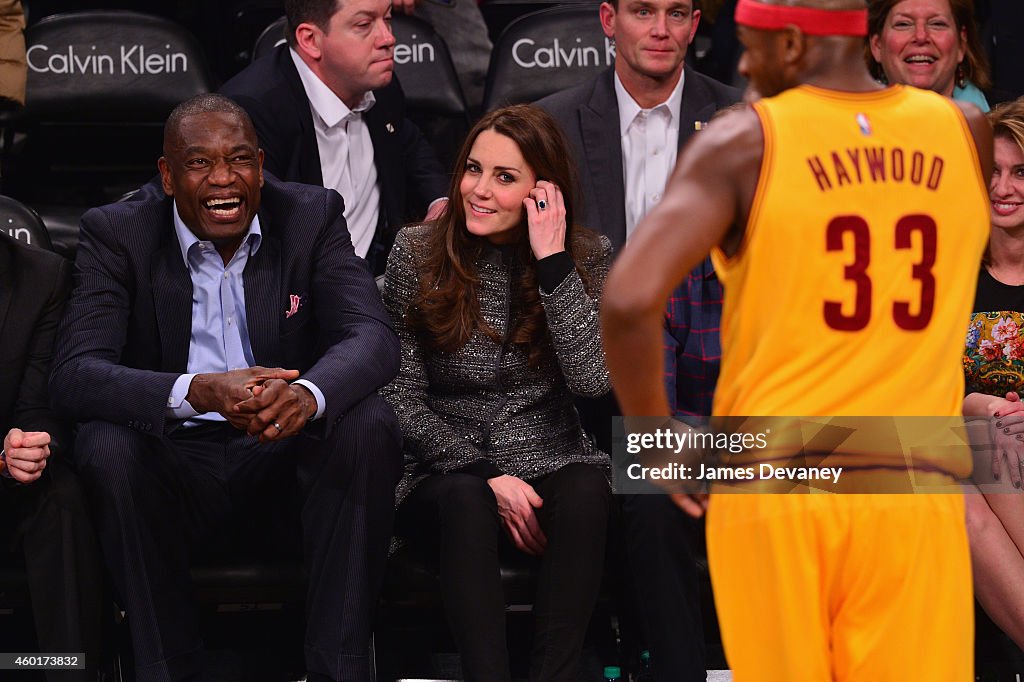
[{"x": 390, "y": 128}]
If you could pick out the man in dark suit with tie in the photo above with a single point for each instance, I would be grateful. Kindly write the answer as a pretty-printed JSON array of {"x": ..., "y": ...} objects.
[
  {"x": 41, "y": 501},
  {"x": 626, "y": 127},
  {"x": 221, "y": 342},
  {"x": 328, "y": 112}
]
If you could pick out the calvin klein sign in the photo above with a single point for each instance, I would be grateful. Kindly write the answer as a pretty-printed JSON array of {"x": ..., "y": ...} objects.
[
  {"x": 413, "y": 52},
  {"x": 558, "y": 54},
  {"x": 22, "y": 234},
  {"x": 126, "y": 60}
]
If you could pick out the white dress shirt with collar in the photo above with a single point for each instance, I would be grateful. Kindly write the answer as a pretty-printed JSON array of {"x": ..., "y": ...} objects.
[
  {"x": 650, "y": 138},
  {"x": 346, "y": 154}
]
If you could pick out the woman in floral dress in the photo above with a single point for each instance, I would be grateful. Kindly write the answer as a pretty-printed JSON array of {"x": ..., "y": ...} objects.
[{"x": 994, "y": 373}]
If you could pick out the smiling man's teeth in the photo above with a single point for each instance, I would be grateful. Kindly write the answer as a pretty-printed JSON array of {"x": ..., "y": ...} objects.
[{"x": 223, "y": 207}]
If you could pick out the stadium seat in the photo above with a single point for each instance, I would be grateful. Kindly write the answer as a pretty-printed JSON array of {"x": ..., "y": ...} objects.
[
  {"x": 544, "y": 52},
  {"x": 24, "y": 224},
  {"x": 100, "y": 85},
  {"x": 249, "y": 20},
  {"x": 269, "y": 38},
  {"x": 498, "y": 14}
]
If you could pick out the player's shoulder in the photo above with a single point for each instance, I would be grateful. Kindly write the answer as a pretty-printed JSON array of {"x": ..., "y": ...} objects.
[{"x": 730, "y": 136}]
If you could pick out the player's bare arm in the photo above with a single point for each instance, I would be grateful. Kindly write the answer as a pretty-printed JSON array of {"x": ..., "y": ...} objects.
[
  {"x": 982, "y": 133},
  {"x": 706, "y": 203}
]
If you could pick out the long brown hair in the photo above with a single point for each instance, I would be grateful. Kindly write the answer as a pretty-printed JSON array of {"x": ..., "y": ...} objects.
[
  {"x": 975, "y": 63},
  {"x": 447, "y": 310}
]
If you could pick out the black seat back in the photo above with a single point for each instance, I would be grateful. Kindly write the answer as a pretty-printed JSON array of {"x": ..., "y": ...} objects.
[
  {"x": 271, "y": 37},
  {"x": 24, "y": 224},
  {"x": 544, "y": 52},
  {"x": 110, "y": 66},
  {"x": 100, "y": 86}
]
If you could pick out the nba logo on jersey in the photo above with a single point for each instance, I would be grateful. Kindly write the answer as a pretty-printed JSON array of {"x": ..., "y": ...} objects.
[{"x": 864, "y": 123}]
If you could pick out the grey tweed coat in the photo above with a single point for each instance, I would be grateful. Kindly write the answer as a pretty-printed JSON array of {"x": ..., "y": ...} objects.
[{"x": 484, "y": 402}]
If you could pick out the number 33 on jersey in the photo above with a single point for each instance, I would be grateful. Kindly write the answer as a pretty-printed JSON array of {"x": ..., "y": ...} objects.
[{"x": 859, "y": 259}]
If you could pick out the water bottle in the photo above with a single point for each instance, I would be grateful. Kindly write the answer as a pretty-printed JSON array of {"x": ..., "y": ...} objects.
[
  {"x": 612, "y": 673},
  {"x": 645, "y": 674}
]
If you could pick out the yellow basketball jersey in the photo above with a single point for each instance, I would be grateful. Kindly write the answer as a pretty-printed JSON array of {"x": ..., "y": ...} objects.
[{"x": 851, "y": 290}]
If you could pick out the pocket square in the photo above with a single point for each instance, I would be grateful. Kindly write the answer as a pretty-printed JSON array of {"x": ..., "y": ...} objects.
[{"x": 294, "y": 303}]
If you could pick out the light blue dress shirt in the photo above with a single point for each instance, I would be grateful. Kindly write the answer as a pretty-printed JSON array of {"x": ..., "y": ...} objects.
[{"x": 219, "y": 341}]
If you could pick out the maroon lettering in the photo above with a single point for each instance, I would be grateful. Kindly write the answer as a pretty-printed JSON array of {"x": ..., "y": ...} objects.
[
  {"x": 917, "y": 168},
  {"x": 921, "y": 271},
  {"x": 875, "y": 158},
  {"x": 855, "y": 272},
  {"x": 854, "y": 155},
  {"x": 842, "y": 177},
  {"x": 818, "y": 169},
  {"x": 935, "y": 174}
]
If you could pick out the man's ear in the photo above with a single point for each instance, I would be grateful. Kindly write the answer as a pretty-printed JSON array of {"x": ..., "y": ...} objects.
[
  {"x": 165, "y": 176},
  {"x": 794, "y": 45},
  {"x": 259, "y": 158},
  {"x": 694, "y": 25},
  {"x": 875, "y": 43},
  {"x": 308, "y": 40},
  {"x": 607, "y": 14}
]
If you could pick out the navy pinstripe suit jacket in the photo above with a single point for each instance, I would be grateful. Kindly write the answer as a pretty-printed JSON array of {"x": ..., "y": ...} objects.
[{"x": 125, "y": 335}]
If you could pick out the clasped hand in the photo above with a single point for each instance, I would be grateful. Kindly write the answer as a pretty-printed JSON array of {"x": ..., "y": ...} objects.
[
  {"x": 1008, "y": 437},
  {"x": 256, "y": 400},
  {"x": 26, "y": 453},
  {"x": 516, "y": 501}
]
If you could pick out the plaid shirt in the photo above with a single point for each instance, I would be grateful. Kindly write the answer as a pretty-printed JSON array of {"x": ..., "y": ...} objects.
[{"x": 693, "y": 349}]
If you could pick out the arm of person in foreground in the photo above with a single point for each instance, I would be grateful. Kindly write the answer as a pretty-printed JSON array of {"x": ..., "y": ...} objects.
[{"x": 705, "y": 205}]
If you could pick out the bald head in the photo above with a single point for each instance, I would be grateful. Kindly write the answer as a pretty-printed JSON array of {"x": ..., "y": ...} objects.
[
  {"x": 790, "y": 42},
  {"x": 207, "y": 103}
]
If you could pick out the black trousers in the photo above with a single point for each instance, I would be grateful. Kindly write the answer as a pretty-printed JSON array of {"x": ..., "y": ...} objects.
[
  {"x": 50, "y": 522},
  {"x": 456, "y": 516},
  {"x": 157, "y": 499},
  {"x": 659, "y": 540}
]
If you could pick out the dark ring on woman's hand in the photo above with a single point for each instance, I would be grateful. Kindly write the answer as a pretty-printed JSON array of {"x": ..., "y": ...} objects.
[{"x": 541, "y": 204}]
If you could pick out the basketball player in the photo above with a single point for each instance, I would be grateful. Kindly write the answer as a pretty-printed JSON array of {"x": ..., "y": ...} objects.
[{"x": 845, "y": 220}]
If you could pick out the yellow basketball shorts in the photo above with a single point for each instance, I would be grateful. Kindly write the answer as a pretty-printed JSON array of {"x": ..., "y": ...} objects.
[{"x": 843, "y": 588}]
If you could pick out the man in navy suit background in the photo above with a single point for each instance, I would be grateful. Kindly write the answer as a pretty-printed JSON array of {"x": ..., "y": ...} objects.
[
  {"x": 328, "y": 112},
  {"x": 222, "y": 342}
]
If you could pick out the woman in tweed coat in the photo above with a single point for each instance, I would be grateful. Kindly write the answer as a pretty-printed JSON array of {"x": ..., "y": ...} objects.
[{"x": 496, "y": 307}]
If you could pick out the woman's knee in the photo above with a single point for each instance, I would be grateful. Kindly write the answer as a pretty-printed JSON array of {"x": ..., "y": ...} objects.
[
  {"x": 583, "y": 485},
  {"x": 465, "y": 494},
  {"x": 981, "y": 520}
]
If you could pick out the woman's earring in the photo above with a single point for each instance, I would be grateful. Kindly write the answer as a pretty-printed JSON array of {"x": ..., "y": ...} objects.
[{"x": 961, "y": 80}]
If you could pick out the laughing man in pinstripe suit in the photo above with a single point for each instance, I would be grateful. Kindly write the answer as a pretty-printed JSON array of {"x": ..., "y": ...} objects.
[{"x": 222, "y": 342}]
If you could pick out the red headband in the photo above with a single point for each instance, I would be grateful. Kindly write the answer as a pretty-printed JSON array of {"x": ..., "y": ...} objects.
[{"x": 810, "y": 20}]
